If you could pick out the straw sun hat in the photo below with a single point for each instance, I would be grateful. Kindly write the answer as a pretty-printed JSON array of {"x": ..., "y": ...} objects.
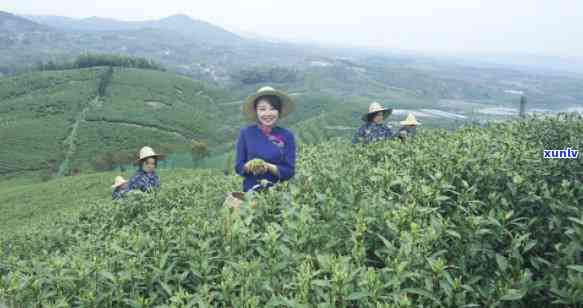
[
  {"x": 410, "y": 120},
  {"x": 147, "y": 152},
  {"x": 234, "y": 199},
  {"x": 119, "y": 181},
  {"x": 248, "y": 107},
  {"x": 374, "y": 108}
]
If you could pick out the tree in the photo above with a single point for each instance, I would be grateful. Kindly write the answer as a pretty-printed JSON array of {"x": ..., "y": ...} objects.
[
  {"x": 264, "y": 74},
  {"x": 229, "y": 163},
  {"x": 104, "y": 82},
  {"x": 103, "y": 162},
  {"x": 522, "y": 106},
  {"x": 122, "y": 158},
  {"x": 92, "y": 60},
  {"x": 199, "y": 150}
]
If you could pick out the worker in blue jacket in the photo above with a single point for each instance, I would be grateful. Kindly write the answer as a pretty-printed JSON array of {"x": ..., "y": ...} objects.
[{"x": 266, "y": 141}]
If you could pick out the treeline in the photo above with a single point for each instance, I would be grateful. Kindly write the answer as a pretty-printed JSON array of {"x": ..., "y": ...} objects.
[
  {"x": 7, "y": 70},
  {"x": 121, "y": 159},
  {"x": 93, "y": 60},
  {"x": 104, "y": 82},
  {"x": 274, "y": 74}
]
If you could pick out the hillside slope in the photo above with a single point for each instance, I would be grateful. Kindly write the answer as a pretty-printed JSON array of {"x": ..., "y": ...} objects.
[
  {"x": 182, "y": 44},
  {"x": 29, "y": 207},
  {"x": 10, "y": 24},
  {"x": 47, "y": 118},
  {"x": 471, "y": 218},
  {"x": 179, "y": 23}
]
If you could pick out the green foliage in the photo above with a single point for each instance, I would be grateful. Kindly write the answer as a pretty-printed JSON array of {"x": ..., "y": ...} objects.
[
  {"x": 38, "y": 112},
  {"x": 104, "y": 82},
  {"x": 473, "y": 218},
  {"x": 269, "y": 74},
  {"x": 198, "y": 149},
  {"x": 29, "y": 206},
  {"x": 229, "y": 164},
  {"x": 97, "y": 60},
  {"x": 255, "y": 165},
  {"x": 115, "y": 160}
]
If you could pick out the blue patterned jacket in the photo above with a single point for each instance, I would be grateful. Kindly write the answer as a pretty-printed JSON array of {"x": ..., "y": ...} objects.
[
  {"x": 411, "y": 132},
  {"x": 144, "y": 181},
  {"x": 118, "y": 193},
  {"x": 371, "y": 132}
]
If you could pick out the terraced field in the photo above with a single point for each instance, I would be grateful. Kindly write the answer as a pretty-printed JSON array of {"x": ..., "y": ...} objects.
[{"x": 57, "y": 123}]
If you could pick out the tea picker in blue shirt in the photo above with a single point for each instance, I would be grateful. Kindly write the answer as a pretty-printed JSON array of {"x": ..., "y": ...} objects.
[
  {"x": 145, "y": 179},
  {"x": 374, "y": 129},
  {"x": 409, "y": 128},
  {"x": 266, "y": 141},
  {"x": 118, "y": 187}
]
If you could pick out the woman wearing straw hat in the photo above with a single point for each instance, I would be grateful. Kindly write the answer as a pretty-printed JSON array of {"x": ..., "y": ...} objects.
[
  {"x": 374, "y": 129},
  {"x": 265, "y": 152},
  {"x": 146, "y": 178},
  {"x": 409, "y": 128},
  {"x": 118, "y": 187}
]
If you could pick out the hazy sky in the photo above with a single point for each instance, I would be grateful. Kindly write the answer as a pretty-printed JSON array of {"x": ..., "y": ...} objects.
[{"x": 553, "y": 27}]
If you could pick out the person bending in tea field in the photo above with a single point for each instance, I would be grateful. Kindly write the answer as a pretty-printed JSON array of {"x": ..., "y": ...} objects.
[
  {"x": 374, "y": 129},
  {"x": 118, "y": 187},
  {"x": 409, "y": 127},
  {"x": 146, "y": 178},
  {"x": 265, "y": 152}
]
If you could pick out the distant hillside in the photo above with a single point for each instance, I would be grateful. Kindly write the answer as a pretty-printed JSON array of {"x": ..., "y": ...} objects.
[
  {"x": 208, "y": 52},
  {"x": 56, "y": 123},
  {"x": 182, "y": 44},
  {"x": 10, "y": 24},
  {"x": 17, "y": 31},
  {"x": 195, "y": 29},
  {"x": 59, "y": 122}
]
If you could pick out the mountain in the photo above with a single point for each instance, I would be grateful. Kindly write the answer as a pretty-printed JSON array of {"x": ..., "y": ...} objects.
[
  {"x": 10, "y": 24},
  {"x": 24, "y": 42},
  {"x": 182, "y": 44},
  {"x": 84, "y": 24},
  {"x": 182, "y": 24},
  {"x": 15, "y": 31},
  {"x": 201, "y": 30}
]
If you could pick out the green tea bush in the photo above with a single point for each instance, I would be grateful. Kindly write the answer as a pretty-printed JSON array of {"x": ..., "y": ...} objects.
[{"x": 474, "y": 218}]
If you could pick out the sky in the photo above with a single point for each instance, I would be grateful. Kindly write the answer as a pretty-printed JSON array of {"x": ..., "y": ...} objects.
[{"x": 546, "y": 27}]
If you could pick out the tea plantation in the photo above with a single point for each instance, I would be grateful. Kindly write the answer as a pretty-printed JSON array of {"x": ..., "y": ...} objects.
[
  {"x": 473, "y": 218},
  {"x": 65, "y": 119}
]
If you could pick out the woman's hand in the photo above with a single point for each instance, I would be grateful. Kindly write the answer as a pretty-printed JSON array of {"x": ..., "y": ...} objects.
[
  {"x": 247, "y": 167},
  {"x": 251, "y": 167},
  {"x": 272, "y": 169}
]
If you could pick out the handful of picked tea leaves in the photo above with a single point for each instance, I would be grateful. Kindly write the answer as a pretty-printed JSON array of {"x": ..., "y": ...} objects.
[{"x": 255, "y": 165}]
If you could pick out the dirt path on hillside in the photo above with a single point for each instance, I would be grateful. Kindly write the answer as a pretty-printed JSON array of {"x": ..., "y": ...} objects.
[{"x": 70, "y": 140}]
